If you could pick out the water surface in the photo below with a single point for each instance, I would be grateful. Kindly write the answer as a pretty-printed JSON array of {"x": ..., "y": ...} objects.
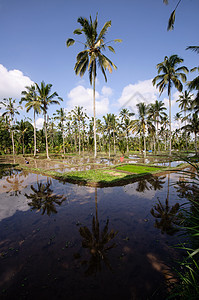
[{"x": 64, "y": 241}]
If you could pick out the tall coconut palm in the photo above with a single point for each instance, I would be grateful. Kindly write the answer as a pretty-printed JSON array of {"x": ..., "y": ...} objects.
[
  {"x": 184, "y": 104},
  {"x": 46, "y": 99},
  {"x": 114, "y": 125},
  {"x": 92, "y": 55},
  {"x": 77, "y": 114},
  {"x": 142, "y": 115},
  {"x": 32, "y": 102},
  {"x": 60, "y": 115},
  {"x": 126, "y": 124},
  {"x": 156, "y": 113},
  {"x": 164, "y": 123},
  {"x": 193, "y": 127},
  {"x": 169, "y": 77},
  {"x": 108, "y": 119},
  {"x": 11, "y": 110}
]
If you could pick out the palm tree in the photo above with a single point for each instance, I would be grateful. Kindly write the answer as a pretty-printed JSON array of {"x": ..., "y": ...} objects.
[
  {"x": 142, "y": 113},
  {"x": 184, "y": 104},
  {"x": 164, "y": 123},
  {"x": 44, "y": 199},
  {"x": 126, "y": 124},
  {"x": 32, "y": 102},
  {"x": 169, "y": 77},
  {"x": 61, "y": 116},
  {"x": 108, "y": 128},
  {"x": 178, "y": 118},
  {"x": 114, "y": 125},
  {"x": 193, "y": 127},
  {"x": 168, "y": 218},
  {"x": 92, "y": 55},
  {"x": 46, "y": 99},
  {"x": 156, "y": 113},
  {"x": 22, "y": 127},
  {"x": 10, "y": 111},
  {"x": 194, "y": 85},
  {"x": 78, "y": 116},
  {"x": 98, "y": 243}
]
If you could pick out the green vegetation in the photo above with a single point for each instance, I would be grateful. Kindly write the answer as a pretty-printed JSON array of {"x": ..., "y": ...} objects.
[
  {"x": 100, "y": 177},
  {"x": 136, "y": 169},
  {"x": 187, "y": 270}
]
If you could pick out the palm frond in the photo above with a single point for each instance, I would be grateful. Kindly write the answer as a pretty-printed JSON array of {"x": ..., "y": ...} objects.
[
  {"x": 177, "y": 83},
  {"x": 70, "y": 42},
  {"x": 81, "y": 65},
  {"x": 117, "y": 40},
  {"x": 194, "y": 84},
  {"x": 104, "y": 30},
  {"x": 77, "y": 31},
  {"x": 193, "y": 48},
  {"x": 171, "y": 21},
  {"x": 111, "y": 49}
]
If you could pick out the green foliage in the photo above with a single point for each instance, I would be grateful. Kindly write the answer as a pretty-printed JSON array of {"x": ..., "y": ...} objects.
[
  {"x": 138, "y": 169},
  {"x": 188, "y": 270}
]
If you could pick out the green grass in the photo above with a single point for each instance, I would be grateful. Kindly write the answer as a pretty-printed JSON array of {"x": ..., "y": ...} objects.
[
  {"x": 136, "y": 169},
  {"x": 100, "y": 177}
]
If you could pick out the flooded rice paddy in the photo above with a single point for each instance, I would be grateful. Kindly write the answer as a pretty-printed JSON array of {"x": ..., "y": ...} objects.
[
  {"x": 83, "y": 163},
  {"x": 64, "y": 241}
]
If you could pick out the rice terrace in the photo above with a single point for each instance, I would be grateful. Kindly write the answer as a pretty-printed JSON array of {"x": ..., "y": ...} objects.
[{"x": 99, "y": 183}]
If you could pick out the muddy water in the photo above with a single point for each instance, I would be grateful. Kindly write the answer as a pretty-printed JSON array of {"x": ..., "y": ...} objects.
[{"x": 63, "y": 241}]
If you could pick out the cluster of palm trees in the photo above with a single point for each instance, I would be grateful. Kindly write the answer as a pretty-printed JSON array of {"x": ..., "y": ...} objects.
[
  {"x": 149, "y": 118},
  {"x": 145, "y": 129}
]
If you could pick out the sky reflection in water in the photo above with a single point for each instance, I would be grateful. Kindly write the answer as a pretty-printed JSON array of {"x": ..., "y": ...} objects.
[{"x": 66, "y": 241}]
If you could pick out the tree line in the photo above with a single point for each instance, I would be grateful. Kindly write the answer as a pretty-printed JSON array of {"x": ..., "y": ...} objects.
[
  {"x": 146, "y": 129},
  {"x": 75, "y": 132}
]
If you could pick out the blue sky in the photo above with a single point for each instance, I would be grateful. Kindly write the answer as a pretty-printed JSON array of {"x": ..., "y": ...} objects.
[{"x": 33, "y": 48}]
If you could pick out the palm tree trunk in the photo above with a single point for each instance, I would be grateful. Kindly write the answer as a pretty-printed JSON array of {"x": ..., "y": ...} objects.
[
  {"x": 63, "y": 140},
  {"x": 186, "y": 131},
  {"x": 196, "y": 149},
  {"x": 79, "y": 139},
  {"x": 13, "y": 143},
  {"x": 94, "y": 125},
  {"x": 35, "y": 145},
  {"x": 114, "y": 141},
  {"x": 158, "y": 139},
  {"x": 46, "y": 136},
  {"x": 23, "y": 143},
  {"x": 109, "y": 140},
  {"x": 127, "y": 142},
  {"x": 144, "y": 146},
  {"x": 169, "y": 123}
]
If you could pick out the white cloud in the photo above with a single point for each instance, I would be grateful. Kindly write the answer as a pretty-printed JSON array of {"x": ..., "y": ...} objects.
[
  {"x": 12, "y": 83},
  {"x": 107, "y": 91},
  {"x": 39, "y": 123},
  {"x": 174, "y": 98},
  {"x": 81, "y": 96},
  {"x": 143, "y": 91}
]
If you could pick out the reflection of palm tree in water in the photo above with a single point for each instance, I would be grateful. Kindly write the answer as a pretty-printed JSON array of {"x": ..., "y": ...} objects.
[
  {"x": 156, "y": 183},
  {"x": 97, "y": 242},
  {"x": 14, "y": 184},
  {"x": 169, "y": 217},
  {"x": 44, "y": 199}
]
